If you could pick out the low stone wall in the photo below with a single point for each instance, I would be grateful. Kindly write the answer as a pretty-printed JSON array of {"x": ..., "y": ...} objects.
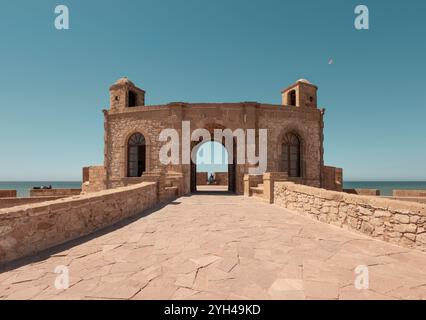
[
  {"x": 54, "y": 192},
  {"x": 332, "y": 178},
  {"x": 13, "y": 202},
  {"x": 8, "y": 194},
  {"x": 221, "y": 178},
  {"x": 363, "y": 192},
  {"x": 94, "y": 179},
  {"x": 409, "y": 193},
  {"x": 402, "y": 223},
  {"x": 409, "y": 199},
  {"x": 25, "y": 230},
  {"x": 202, "y": 178}
]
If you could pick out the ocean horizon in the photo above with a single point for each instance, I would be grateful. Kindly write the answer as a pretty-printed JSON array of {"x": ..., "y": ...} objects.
[
  {"x": 386, "y": 187},
  {"x": 23, "y": 187}
]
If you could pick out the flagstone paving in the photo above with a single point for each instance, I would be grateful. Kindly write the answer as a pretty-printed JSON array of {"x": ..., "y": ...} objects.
[{"x": 220, "y": 247}]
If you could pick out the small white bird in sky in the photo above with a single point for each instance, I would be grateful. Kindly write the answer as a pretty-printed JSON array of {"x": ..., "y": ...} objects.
[{"x": 330, "y": 61}]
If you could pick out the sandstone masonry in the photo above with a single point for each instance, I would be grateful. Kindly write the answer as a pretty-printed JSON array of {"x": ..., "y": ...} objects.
[
  {"x": 28, "y": 229},
  {"x": 402, "y": 223},
  {"x": 127, "y": 116}
]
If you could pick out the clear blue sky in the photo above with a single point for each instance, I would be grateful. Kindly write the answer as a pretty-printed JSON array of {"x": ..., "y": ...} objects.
[
  {"x": 55, "y": 83},
  {"x": 212, "y": 157}
]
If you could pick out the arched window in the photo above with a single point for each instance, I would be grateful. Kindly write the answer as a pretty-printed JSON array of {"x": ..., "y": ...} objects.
[
  {"x": 132, "y": 99},
  {"x": 292, "y": 98},
  {"x": 136, "y": 149},
  {"x": 290, "y": 158}
]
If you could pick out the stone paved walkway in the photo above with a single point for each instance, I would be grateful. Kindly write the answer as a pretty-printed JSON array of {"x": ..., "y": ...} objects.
[{"x": 222, "y": 247}]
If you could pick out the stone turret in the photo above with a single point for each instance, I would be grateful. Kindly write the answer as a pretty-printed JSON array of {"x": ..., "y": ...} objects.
[
  {"x": 124, "y": 94},
  {"x": 300, "y": 94}
]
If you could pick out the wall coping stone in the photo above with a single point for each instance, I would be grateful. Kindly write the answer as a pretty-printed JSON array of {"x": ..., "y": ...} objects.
[
  {"x": 13, "y": 212},
  {"x": 29, "y": 229},
  {"x": 373, "y": 201}
]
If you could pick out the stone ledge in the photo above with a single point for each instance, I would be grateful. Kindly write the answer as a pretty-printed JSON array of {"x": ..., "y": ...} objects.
[
  {"x": 28, "y": 229},
  {"x": 14, "y": 202},
  {"x": 8, "y": 194},
  {"x": 398, "y": 222},
  {"x": 382, "y": 203},
  {"x": 54, "y": 192}
]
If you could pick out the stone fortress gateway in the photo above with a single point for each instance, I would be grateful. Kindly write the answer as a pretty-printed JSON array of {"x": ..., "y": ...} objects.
[
  {"x": 132, "y": 146},
  {"x": 133, "y": 180}
]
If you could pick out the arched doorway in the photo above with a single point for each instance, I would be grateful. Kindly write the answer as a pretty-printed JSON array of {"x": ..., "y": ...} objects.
[
  {"x": 292, "y": 98},
  {"x": 212, "y": 159},
  {"x": 291, "y": 155},
  {"x": 136, "y": 155}
]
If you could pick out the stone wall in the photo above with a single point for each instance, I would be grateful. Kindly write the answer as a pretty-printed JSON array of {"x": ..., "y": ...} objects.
[
  {"x": 151, "y": 120},
  {"x": 332, "y": 178},
  {"x": 410, "y": 199},
  {"x": 202, "y": 178},
  {"x": 363, "y": 192},
  {"x": 54, "y": 192},
  {"x": 307, "y": 124},
  {"x": 94, "y": 179},
  {"x": 262, "y": 186},
  {"x": 25, "y": 230},
  {"x": 13, "y": 202},
  {"x": 409, "y": 193},
  {"x": 8, "y": 193},
  {"x": 221, "y": 178},
  {"x": 402, "y": 223},
  {"x": 169, "y": 185}
]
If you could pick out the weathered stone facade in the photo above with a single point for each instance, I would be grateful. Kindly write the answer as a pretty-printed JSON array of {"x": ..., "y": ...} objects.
[{"x": 128, "y": 115}]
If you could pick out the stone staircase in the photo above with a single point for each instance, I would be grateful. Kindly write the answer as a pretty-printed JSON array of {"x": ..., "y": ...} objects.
[
  {"x": 257, "y": 191},
  {"x": 171, "y": 192},
  {"x": 262, "y": 187}
]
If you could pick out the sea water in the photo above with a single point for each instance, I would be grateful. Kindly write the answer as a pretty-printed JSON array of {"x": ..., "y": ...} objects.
[
  {"x": 23, "y": 187},
  {"x": 385, "y": 187}
]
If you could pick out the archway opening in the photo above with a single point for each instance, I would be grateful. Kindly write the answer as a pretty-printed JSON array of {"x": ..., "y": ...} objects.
[
  {"x": 211, "y": 170},
  {"x": 136, "y": 155},
  {"x": 132, "y": 99},
  {"x": 292, "y": 98},
  {"x": 291, "y": 155}
]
